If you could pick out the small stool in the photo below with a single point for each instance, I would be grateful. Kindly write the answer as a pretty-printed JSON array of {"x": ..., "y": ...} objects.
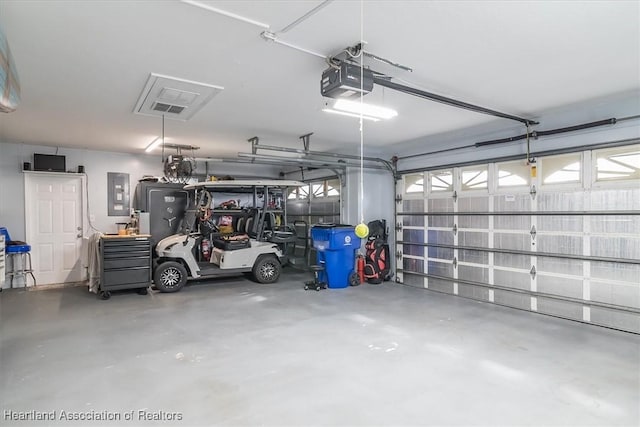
[
  {"x": 23, "y": 269},
  {"x": 12, "y": 250},
  {"x": 315, "y": 283}
]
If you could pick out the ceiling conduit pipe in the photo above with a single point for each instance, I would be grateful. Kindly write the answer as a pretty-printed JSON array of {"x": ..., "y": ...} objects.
[
  {"x": 305, "y": 161},
  {"x": 305, "y": 16},
  {"x": 387, "y": 165},
  {"x": 273, "y": 36},
  {"x": 246, "y": 162},
  {"x": 228, "y": 14}
]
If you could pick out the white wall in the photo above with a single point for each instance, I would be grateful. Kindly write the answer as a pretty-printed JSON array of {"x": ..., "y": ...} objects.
[
  {"x": 97, "y": 164},
  {"x": 377, "y": 201},
  {"x": 378, "y": 193}
]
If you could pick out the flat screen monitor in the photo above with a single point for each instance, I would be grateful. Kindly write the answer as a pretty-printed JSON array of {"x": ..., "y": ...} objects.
[{"x": 49, "y": 162}]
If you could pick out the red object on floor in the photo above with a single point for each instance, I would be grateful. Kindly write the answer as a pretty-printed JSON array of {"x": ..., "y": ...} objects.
[
  {"x": 360, "y": 268},
  {"x": 206, "y": 247}
]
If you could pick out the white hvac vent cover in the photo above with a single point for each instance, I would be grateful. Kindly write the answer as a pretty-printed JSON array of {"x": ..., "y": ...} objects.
[{"x": 174, "y": 98}]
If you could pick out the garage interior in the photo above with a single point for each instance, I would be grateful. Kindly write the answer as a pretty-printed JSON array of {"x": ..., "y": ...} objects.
[{"x": 143, "y": 145}]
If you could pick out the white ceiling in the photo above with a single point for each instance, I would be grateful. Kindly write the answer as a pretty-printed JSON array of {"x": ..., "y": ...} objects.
[{"x": 82, "y": 66}]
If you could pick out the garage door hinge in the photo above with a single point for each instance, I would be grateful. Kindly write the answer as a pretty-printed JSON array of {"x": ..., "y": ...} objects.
[
  {"x": 455, "y": 196},
  {"x": 533, "y": 232},
  {"x": 398, "y": 226},
  {"x": 455, "y": 262},
  {"x": 533, "y": 192},
  {"x": 533, "y": 272},
  {"x": 455, "y": 229},
  {"x": 398, "y": 198},
  {"x": 399, "y": 254}
]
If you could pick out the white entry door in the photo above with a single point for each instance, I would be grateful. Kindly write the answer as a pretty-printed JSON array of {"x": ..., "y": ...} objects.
[{"x": 53, "y": 211}]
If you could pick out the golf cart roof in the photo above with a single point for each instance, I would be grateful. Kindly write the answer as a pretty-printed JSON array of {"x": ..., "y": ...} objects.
[{"x": 238, "y": 183}]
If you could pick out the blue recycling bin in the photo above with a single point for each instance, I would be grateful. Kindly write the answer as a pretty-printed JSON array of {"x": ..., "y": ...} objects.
[{"x": 336, "y": 247}]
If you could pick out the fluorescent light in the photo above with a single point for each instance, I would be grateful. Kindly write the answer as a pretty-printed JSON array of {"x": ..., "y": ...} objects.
[
  {"x": 153, "y": 145},
  {"x": 366, "y": 109},
  {"x": 344, "y": 113}
]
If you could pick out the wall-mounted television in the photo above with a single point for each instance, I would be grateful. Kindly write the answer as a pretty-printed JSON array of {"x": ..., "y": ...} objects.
[{"x": 49, "y": 162}]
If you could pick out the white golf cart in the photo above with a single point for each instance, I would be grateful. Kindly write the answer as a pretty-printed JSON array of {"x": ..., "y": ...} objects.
[{"x": 231, "y": 227}]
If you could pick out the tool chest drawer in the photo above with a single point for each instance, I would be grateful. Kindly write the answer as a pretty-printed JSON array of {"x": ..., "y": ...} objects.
[
  {"x": 138, "y": 277},
  {"x": 123, "y": 263}
]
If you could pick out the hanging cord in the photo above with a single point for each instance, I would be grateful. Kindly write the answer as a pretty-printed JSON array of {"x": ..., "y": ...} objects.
[
  {"x": 528, "y": 148},
  {"x": 163, "y": 138},
  {"x": 361, "y": 113}
]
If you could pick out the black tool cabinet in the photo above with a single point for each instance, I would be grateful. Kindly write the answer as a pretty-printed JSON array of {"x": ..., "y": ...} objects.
[{"x": 126, "y": 264}]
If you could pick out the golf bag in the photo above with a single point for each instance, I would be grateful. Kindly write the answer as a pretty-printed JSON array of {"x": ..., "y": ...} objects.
[{"x": 377, "y": 263}]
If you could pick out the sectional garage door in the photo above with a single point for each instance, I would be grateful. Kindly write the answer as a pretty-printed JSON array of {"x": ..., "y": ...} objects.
[
  {"x": 560, "y": 236},
  {"x": 317, "y": 203}
]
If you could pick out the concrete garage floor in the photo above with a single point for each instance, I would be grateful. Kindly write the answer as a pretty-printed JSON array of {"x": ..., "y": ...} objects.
[{"x": 234, "y": 352}]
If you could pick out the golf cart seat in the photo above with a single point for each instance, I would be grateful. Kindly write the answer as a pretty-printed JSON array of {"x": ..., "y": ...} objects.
[
  {"x": 231, "y": 241},
  {"x": 275, "y": 233}
]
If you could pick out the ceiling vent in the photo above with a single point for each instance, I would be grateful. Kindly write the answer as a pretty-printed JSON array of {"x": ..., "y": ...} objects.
[{"x": 174, "y": 98}]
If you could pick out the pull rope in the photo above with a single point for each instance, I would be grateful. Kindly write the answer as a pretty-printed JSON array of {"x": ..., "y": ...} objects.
[
  {"x": 361, "y": 112},
  {"x": 528, "y": 149}
]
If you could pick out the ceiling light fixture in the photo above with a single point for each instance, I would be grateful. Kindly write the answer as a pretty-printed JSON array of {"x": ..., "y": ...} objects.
[
  {"x": 344, "y": 113},
  {"x": 364, "y": 109},
  {"x": 153, "y": 145}
]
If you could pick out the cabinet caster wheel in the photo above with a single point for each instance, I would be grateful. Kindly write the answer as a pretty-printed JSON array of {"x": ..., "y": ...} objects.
[
  {"x": 354, "y": 279},
  {"x": 142, "y": 291},
  {"x": 318, "y": 288},
  {"x": 104, "y": 295}
]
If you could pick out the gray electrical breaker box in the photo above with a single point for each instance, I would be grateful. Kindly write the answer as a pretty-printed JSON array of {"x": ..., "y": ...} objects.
[{"x": 118, "y": 194}]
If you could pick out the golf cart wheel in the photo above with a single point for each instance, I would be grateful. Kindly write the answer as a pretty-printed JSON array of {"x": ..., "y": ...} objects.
[
  {"x": 104, "y": 295},
  {"x": 267, "y": 269},
  {"x": 170, "y": 276}
]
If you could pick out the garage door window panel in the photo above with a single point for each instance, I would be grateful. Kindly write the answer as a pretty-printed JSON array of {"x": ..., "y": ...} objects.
[
  {"x": 474, "y": 179},
  {"x": 513, "y": 176},
  {"x": 414, "y": 184},
  {"x": 441, "y": 182},
  {"x": 617, "y": 164},
  {"x": 562, "y": 170}
]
